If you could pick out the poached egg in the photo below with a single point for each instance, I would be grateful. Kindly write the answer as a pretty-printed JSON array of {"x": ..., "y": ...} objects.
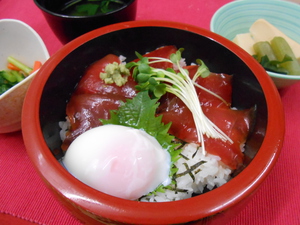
[{"x": 119, "y": 161}]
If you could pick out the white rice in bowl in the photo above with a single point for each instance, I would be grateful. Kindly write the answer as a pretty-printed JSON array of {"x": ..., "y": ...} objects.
[{"x": 196, "y": 172}]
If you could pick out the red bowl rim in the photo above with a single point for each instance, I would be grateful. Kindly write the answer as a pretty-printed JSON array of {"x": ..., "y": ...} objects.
[{"x": 128, "y": 211}]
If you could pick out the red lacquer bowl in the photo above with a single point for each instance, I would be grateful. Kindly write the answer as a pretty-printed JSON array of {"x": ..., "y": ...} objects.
[{"x": 45, "y": 106}]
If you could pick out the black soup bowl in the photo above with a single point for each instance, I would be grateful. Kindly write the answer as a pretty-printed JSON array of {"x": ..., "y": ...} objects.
[
  {"x": 47, "y": 97},
  {"x": 67, "y": 27}
]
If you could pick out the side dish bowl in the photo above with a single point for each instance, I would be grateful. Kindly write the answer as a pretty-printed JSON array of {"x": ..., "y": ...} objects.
[
  {"x": 45, "y": 106},
  {"x": 19, "y": 40},
  {"x": 67, "y": 27},
  {"x": 236, "y": 17}
]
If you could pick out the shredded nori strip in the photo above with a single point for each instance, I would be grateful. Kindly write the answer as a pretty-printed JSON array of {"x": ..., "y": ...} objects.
[
  {"x": 197, "y": 171},
  {"x": 189, "y": 170},
  {"x": 176, "y": 190},
  {"x": 183, "y": 156},
  {"x": 195, "y": 152}
]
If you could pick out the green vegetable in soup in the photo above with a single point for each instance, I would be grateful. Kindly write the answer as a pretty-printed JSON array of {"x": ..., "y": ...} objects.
[{"x": 90, "y": 7}]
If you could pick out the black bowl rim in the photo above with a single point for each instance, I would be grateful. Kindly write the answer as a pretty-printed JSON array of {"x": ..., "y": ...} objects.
[{"x": 82, "y": 17}]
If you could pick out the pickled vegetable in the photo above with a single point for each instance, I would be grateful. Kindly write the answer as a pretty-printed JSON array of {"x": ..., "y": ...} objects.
[
  {"x": 281, "y": 56},
  {"x": 27, "y": 70},
  {"x": 15, "y": 73},
  {"x": 263, "y": 48},
  {"x": 282, "y": 49},
  {"x": 8, "y": 79}
]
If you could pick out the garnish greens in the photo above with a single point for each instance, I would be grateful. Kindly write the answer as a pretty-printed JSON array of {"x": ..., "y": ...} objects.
[
  {"x": 159, "y": 81},
  {"x": 140, "y": 113},
  {"x": 90, "y": 7}
]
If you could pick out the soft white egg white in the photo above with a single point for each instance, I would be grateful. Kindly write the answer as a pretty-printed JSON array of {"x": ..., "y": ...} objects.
[{"x": 119, "y": 161}]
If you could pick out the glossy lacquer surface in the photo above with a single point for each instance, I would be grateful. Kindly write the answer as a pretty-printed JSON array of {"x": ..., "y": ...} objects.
[{"x": 47, "y": 97}]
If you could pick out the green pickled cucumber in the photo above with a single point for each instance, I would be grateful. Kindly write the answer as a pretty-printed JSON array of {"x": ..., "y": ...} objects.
[
  {"x": 281, "y": 48},
  {"x": 263, "y": 48}
]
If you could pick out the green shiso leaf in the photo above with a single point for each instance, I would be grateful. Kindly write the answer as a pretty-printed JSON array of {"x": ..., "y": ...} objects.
[{"x": 140, "y": 113}]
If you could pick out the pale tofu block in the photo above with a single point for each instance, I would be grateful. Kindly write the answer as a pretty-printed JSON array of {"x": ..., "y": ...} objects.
[{"x": 245, "y": 41}]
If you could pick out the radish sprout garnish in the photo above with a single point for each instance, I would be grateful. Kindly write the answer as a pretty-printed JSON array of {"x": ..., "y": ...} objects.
[{"x": 160, "y": 81}]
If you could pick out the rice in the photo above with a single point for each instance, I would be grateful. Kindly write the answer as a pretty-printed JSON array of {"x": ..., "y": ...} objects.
[
  {"x": 122, "y": 59},
  {"x": 196, "y": 172},
  {"x": 64, "y": 126}
]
